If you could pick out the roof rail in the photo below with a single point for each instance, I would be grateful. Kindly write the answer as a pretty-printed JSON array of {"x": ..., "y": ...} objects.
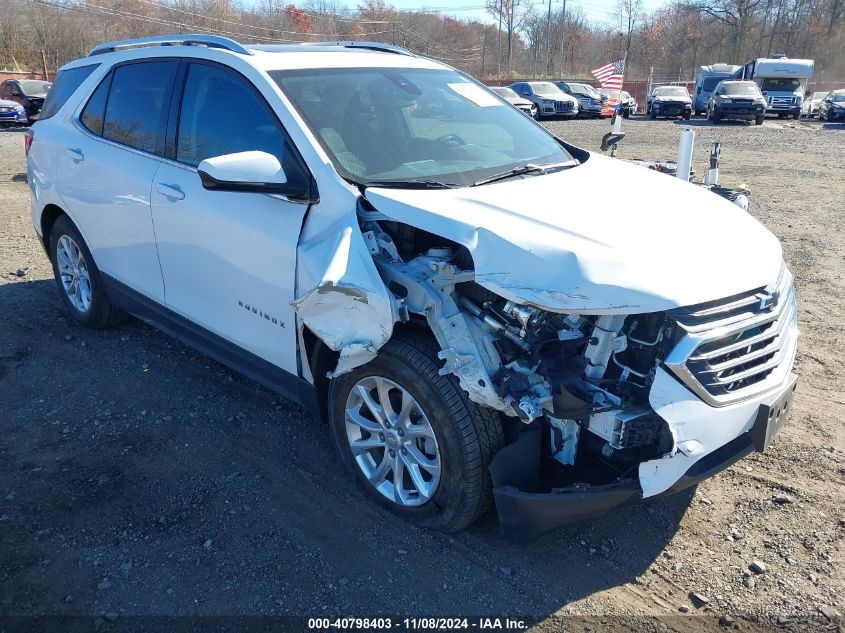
[
  {"x": 187, "y": 39},
  {"x": 372, "y": 46}
]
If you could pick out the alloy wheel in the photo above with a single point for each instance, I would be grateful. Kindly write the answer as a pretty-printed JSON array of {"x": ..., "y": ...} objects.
[
  {"x": 73, "y": 272},
  {"x": 392, "y": 441}
]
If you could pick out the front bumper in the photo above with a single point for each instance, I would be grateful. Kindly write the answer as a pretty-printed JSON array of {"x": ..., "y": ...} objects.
[
  {"x": 742, "y": 112},
  {"x": 14, "y": 116},
  {"x": 528, "y": 509},
  {"x": 671, "y": 108}
]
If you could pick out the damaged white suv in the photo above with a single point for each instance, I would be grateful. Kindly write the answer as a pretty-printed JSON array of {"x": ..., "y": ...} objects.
[{"x": 379, "y": 237}]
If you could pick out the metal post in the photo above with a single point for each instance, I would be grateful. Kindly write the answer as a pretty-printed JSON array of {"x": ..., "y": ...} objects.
[
  {"x": 548, "y": 69},
  {"x": 562, "y": 38},
  {"x": 499, "y": 44}
]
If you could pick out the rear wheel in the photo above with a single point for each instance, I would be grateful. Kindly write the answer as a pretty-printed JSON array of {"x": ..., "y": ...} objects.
[
  {"x": 78, "y": 278},
  {"x": 412, "y": 439}
]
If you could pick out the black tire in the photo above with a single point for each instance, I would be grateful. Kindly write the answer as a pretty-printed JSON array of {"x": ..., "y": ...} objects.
[
  {"x": 101, "y": 313},
  {"x": 714, "y": 117},
  {"x": 652, "y": 114},
  {"x": 759, "y": 120},
  {"x": 687, "y": 116},
  {"x": 468, "y": 435}
]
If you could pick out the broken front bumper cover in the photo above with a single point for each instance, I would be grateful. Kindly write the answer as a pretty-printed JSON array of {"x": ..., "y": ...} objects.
[{"x": 525, "y": 514}]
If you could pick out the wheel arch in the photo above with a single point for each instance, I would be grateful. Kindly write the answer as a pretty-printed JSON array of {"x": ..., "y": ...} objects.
[
  {"x": 322, "y": 360},
  {"x": 49, "y": 214}
]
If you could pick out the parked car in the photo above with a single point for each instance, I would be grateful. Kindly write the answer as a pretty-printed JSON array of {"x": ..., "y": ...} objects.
[
  {"x": 30, "y": 93},
  {"x": 549, "y": 99},
  {"x": 590, "y": 100},
  {"x": 810, "y": 107},
  {"x": 740, "y": 100},
  {"x": 526, "y": 106},
  {"x": 12, "y": 113},
  {"x": 426, "y": 279},
  {"x": 707, "y": 79},
  {"x": 628, "y": 104},
  {"x": 669, "y": 101},
  {"x": 832, "y": 107}
]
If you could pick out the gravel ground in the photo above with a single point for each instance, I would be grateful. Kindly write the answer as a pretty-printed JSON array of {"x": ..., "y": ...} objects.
[{"x": 140, "y": 478}]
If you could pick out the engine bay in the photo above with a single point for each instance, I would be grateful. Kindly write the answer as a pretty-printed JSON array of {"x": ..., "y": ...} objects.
[{"x": 584, "y": 380}]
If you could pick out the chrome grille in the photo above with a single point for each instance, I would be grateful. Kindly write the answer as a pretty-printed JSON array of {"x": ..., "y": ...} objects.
[
  {"x": 732, "y": 348},
  {"x": 781, "y": 101}
]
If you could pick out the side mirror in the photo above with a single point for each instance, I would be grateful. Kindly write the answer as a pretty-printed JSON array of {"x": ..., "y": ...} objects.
[{"x": 244, "y": 171}]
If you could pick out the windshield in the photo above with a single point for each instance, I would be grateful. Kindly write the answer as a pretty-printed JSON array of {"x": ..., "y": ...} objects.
[
  {"x": 818, "y": 96},
  {"x": 395, "y": 125},
  {"x": 545, "y": 89},
  {"x": 613, "y": 94},
  {"x": 672, "y": 91},
  {"x": 838, "y": 98},
  {"x": 584, "y": 89},
  {"x": 780, "y": 85},
  {"x": 748, "y": 89},
  {"x": 505, "y": 92},
  {"x": 35, "y": 88},
  {"x": 709, "y": 84}
]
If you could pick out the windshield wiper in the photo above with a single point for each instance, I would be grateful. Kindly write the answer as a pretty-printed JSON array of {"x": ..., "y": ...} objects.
[
  {"x": 412, "y": 183},
  {"x": 528, "y": 168}
]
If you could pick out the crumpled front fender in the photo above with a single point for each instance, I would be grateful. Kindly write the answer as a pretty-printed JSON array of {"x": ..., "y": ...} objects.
[{"x": 340, "y": 296}]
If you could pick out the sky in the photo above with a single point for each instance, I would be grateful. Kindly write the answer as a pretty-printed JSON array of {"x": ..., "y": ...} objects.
[{"x": 599, "y": 11}]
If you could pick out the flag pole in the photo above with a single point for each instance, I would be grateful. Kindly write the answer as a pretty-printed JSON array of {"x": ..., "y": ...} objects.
[{"x": 616, "y": 121}]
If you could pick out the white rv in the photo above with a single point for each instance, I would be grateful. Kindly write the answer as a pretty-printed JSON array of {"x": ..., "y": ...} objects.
[{"x": 782, "y": 81}]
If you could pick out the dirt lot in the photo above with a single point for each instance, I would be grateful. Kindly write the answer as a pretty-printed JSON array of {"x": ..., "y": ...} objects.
[{"x": 140, "y": 478}]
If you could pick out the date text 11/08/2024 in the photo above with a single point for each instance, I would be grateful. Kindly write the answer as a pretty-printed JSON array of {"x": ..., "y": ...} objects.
[{"x": 418, "y": 624}]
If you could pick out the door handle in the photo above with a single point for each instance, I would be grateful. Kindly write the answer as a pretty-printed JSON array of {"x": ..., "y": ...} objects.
[
  {"x": 170, "y": 191},
  {"x": 75, "y": 154}
]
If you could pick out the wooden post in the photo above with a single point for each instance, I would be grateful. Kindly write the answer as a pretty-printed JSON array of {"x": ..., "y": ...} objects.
[{"x": 44, "y": 64}]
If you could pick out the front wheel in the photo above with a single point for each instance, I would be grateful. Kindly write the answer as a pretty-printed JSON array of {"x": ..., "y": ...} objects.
[
  {"x": 759, "y": 120},
  {"x": 687, "y": 116},
  {"x": 78, "y": 278},
  {"x": 412, "y": 439}
]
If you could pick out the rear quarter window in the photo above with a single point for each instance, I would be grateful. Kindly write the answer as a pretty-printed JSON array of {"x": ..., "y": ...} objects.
[{"x": 65, "y": 84}]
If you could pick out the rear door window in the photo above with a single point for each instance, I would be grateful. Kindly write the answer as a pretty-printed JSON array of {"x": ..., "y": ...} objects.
[
  {"x": 65, "y": 84},
  {"x": 137, "y": 104}
]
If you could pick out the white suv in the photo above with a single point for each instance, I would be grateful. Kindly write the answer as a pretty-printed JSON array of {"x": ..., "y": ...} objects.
[{"x": 382, "y": 239}]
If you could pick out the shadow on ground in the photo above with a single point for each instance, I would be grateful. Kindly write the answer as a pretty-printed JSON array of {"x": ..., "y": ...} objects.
[{"x": 139, "y": 477}]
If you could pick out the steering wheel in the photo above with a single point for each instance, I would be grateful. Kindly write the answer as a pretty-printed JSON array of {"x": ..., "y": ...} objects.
[{"x": 450, "y": 141}]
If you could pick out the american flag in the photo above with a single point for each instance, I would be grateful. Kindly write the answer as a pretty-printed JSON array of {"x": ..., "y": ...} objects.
[{"x": 610, "y": 75}]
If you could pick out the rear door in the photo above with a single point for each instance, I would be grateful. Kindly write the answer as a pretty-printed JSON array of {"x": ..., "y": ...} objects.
[
  {"x": 228, "y": 258},
  {"x": 107, "y": 168}
]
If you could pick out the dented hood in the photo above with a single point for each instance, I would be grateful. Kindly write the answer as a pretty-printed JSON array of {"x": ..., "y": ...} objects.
[{"x": 601, "y": 238}]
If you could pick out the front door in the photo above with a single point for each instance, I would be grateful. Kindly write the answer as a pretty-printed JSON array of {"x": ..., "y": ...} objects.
[{"x": 228, "y": 258}]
